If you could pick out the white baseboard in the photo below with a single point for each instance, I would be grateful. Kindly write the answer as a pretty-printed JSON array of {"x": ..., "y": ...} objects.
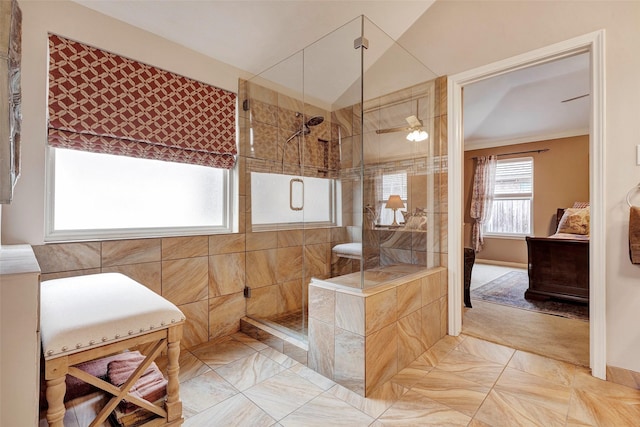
[{"x": 501, "y": 263}]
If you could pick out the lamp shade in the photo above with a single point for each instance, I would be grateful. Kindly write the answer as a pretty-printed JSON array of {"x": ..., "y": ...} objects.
[{"x": 394, "y": 202}]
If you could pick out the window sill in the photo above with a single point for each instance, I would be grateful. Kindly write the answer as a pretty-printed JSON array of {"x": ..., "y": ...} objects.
[
  {"x": 69, "y": 236},
  {"x": 506, "y": 236},
  {"x": 291, "y": 226}
]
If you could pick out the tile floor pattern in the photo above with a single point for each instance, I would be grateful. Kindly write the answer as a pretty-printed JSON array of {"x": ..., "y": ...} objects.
[
  {"x": 554, "y": 336},
  {"x": 461, "y": 381}
]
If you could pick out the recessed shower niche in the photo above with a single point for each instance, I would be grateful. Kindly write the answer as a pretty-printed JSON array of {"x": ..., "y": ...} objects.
[{"x": 323, "y": 146}]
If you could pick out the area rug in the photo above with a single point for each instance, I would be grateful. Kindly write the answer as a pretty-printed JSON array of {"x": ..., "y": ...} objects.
[{"x": 509, "y": 290}]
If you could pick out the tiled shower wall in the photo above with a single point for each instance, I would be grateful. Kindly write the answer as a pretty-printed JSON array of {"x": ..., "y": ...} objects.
[
  {"x": 287, "y": 259},
  {"x": 362, "y": 338},
  {"x": 205, "y": 275},
  {"x": 268, "y": 119},
  {"x": 426, "y": 173}
]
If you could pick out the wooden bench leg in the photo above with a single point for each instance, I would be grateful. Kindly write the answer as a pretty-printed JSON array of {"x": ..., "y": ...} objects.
[
  {"x": 56, "y": 374},
  {"x": 173, "y": 404}
]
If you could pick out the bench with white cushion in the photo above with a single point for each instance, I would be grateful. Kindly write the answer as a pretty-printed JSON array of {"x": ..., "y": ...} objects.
[
  {"x": 348, "y": 250},
  {"x": 89, "y": 317}
]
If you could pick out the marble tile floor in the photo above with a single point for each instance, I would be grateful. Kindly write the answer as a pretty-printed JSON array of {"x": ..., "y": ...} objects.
[
  {"x": 460, "y": 381},
  {"x": 552, "y": 336}
]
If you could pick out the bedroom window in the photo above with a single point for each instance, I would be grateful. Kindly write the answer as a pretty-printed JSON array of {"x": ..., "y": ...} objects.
[{"x": 512, "y": 207}]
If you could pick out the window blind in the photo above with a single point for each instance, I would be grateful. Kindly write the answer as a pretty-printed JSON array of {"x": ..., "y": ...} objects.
[
  {"x": 394, "y": 183},
  {"x": 514, "y": 177},
  {"x": 105, "y": 103}
]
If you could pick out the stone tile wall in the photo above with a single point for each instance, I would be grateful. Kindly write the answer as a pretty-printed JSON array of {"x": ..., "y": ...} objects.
[
  {"x": 361, "y": 339},
  {"x": 426, "y": 172},
  {"x": 202, "y": 275},
  {"x": 205, "y": 275}
]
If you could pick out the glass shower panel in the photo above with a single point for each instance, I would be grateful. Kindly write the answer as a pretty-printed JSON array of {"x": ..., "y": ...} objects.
[
  {"x": 273, "y": 108},
  {"x": 291, "y": 141},
  {"x": 400, "y": 98},
  {"x": 333, "y": 73},
  {"x": 337, "y": 115}
]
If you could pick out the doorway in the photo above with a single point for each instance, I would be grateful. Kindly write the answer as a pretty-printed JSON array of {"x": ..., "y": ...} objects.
[{"x": 592, "y": 43}]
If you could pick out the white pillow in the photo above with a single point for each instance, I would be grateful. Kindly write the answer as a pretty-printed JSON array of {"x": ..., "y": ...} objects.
[{"x": 575, "y": 221}]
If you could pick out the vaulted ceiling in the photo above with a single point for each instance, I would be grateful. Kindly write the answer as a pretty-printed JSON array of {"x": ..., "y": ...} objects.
[
  {"x": 540, "y": 102},
  {"x": 256, "y": 35}
]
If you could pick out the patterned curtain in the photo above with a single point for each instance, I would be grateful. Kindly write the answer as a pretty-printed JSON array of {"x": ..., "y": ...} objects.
[
  {"x": 483, "y": 184},
  {"x": 105, "y": 103}
]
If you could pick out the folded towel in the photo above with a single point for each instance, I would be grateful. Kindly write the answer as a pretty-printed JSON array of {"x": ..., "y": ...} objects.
[
  {"x": 634, "y": 234},
  {"x": 76, "y": 387},
  {"x": 151, "y": 386},
  {"x": 118, "y": 373}
]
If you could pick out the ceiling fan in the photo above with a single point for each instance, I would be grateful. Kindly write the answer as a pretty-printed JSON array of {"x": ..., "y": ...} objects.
[{"x": 416, "y": 133}]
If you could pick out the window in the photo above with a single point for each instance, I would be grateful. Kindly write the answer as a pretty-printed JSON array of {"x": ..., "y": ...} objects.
[
  {"x": 134, "y": 150},
  {"x": 393, "y": 183},
  {"x": 511, "y": 211},
  {"x": 94, "y": 195},
  {"x": 284, "y": 200}
]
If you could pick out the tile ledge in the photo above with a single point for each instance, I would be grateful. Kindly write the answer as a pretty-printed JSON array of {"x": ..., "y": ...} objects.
[
  {"x": 327, "y": 284},
  {"x": 287, "y": 338}
]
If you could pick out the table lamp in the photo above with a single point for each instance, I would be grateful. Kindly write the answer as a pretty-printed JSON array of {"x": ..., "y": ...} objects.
[{"x": 395, "y": 203}]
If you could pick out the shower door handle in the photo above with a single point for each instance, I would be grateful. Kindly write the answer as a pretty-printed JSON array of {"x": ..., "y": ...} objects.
[{"x": 291, "y": 182}]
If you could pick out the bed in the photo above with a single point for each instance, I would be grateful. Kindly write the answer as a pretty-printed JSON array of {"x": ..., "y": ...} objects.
[{"x": 559, "y": 264}]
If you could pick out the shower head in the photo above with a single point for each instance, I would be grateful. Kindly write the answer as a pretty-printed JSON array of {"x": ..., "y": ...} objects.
[
  {"x": 314, "y": 121},
  {"x": 304, "y": 130}
]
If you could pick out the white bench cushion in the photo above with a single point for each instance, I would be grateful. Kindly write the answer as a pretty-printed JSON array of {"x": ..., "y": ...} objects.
[
  {"x": 348, "y": 250},
  {"x": 79, "y": 313}
]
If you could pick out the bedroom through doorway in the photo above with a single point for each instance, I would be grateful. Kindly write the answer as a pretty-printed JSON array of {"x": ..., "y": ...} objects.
[{"x": 506, "y": 116}]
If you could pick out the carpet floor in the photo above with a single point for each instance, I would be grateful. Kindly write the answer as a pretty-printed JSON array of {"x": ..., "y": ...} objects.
[{"x": 509, "y": 290}]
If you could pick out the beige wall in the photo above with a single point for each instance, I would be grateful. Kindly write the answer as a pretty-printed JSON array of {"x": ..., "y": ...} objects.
[
  {"x": 560, "y": 178},
  {"x": 23, "y": 219},
  {"x": 186, "y": 274},
  {"x": 203, "y": 275},
  {"x": 452, "y": 36},
  {"x": 462, "y": 35}
]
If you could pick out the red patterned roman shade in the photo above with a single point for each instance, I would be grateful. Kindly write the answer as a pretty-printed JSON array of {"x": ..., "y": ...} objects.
[{"x": 104, "y": 103}]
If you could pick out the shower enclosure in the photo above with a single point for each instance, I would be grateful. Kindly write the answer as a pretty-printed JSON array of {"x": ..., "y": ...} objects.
[{"x": 327, "y": 136}]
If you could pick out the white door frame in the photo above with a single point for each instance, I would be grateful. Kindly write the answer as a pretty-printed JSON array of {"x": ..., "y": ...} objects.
[{"x": 593, "y": 43}]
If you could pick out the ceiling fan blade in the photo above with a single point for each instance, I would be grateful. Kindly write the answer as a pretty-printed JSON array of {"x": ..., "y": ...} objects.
[
  {"x": 574, "y": 98},
  {"x": 390, "y": 130},
  {"x": 413, "y": 121}
]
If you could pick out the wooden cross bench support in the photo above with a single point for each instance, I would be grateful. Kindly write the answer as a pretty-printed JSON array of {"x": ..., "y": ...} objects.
[{"x": 89, "y": 317}]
